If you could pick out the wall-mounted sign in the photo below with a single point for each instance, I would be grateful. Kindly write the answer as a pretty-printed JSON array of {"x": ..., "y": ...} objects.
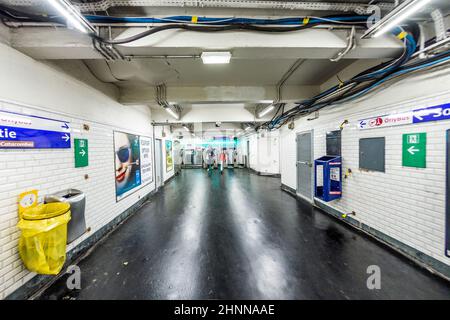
[
  {"x": 133, "y": 162},
  {"x": 19, "y": 131},
  {"x": 414, "y": 150},
  {"x": 386, "y": 121},
  {"x": 81, "y": 153},
  {"x": 146, "y": 160},
  {"x": 435, "y": 113},
  {"x": 27, "y": 200}
]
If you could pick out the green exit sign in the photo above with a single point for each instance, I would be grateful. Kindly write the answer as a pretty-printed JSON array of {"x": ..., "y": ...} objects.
[
  {"x": 81, "y": 153},
  {"x": 414, "y": 150}
]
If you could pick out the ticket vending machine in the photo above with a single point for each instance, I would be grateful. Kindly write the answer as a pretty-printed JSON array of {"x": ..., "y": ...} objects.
[{"x": 328, "y": 178}]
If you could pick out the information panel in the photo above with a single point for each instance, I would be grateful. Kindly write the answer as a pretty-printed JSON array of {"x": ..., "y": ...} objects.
[
  {"x": 146, "y": 160},
  {"x": 414, "y": 150},
  {"x": 81, "y": 152},
  {"x": 434, "y": 113},
  {"x": 19, "y": 131}
]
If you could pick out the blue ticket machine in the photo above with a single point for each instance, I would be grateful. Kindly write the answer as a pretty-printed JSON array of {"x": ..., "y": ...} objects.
[{"x": 328, "y": 178}]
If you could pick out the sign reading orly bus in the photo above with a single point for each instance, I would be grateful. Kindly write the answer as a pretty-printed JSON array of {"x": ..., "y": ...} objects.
[{"x": 434, "y": 113}]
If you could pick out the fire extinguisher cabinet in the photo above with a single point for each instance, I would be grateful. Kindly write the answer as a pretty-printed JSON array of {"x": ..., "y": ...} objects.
[{"x": 328, "y": 178}]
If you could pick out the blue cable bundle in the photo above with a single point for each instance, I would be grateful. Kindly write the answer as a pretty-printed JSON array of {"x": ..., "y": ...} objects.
[
  {"x": 228, "y": 21},
  {"x": 370, "y": 78}
]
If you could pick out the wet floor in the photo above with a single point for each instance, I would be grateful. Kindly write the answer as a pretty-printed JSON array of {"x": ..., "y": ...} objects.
[{"x": 238, "y": 236}]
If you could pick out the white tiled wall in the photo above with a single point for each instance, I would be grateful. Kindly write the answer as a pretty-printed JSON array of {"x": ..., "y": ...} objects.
[
  {"x": 265, "y": 152},
  {"x": 52, "y": 170},
  {"x": 41, "y": 90},
  {"x": 404, "y": 203}
]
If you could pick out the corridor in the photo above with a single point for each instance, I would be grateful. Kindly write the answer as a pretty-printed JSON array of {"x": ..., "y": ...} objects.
[{"x": 239, "y": 236}]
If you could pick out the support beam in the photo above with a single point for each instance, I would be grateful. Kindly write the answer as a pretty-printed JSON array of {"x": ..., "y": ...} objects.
[
  {"x": 223, "y": 94},
  {"x": 59, "y": 43}
]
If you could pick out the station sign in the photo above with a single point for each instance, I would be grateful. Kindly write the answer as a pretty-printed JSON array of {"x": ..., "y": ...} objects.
[
  {"x": 414, "y": 150},
  {"x": 20, "y": 131},
  {"x": 434, "y": 113}
]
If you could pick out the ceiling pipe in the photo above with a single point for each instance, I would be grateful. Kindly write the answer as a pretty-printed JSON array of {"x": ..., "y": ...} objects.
[{"x": 161, "y": 99}]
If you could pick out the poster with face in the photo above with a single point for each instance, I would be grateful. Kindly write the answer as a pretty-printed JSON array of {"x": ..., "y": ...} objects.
[
  {"x": 146, "y": 160},
  {"x": 169, "y": 159},
  {"x": 127, "y": 163}
]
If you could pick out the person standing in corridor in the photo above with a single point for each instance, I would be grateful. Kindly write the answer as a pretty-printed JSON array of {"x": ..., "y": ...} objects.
[
  {"x": 209, "y": 160},
  {"x": 222, "y": 159}
]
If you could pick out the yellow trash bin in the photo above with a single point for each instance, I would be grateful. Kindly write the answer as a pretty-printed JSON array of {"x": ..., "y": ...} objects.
[{"x": 42, "y": 245}]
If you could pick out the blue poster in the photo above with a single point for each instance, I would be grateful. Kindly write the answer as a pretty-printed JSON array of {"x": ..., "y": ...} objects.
[{"x": 18, "y": 131}]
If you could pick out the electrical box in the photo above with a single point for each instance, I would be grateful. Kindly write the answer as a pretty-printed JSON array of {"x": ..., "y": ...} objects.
[
  {"x": 333, "y": 140},
  {"x": 372, "y": 153},
  {"x": 328, "y": 178}
]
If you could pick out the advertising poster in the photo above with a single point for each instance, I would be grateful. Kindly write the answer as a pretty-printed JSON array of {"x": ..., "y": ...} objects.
[
  {"x": 169, "y": 159},
  {"x": 127, "y": 163},
  {"x": 146, "y": 160}
]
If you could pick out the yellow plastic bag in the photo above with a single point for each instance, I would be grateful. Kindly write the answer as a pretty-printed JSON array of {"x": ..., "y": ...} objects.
[{"x": 42, "y": 245}]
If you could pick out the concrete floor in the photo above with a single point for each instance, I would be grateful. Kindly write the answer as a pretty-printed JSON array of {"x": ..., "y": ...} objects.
[{"x": 238, "y": 236}]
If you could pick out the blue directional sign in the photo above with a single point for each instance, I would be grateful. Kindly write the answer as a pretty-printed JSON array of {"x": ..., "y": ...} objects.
[
  {"x": 435, "y": 113},
  {"x": 19, "y": 131}
]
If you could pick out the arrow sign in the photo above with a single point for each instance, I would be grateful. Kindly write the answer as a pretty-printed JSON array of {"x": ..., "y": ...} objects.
[
  {"x": 66, "y": 137},
  {"x": 65, "y": 126},
  {"x": 412, "y": 150},
  {"x": 434, "y": 113},
  {"x": 81, "y": 153}
]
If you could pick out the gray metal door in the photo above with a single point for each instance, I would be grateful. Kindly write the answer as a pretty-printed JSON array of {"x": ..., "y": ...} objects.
[
  {"x": 247, "y": 164},
  {"x": 305, "y": 165},
  {"x": 158, "y": 163},
  {"x": 447, "y": 200}
]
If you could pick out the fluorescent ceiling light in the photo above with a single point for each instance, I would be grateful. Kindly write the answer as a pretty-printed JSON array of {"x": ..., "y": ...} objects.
[
  {"x": 266, "y": 101},
  {"x": 172, "y": 113},
  {"x": 395, "y": 17},
  {"x": 186, "y": 128},
  {"x": 216, "y": 57},
  {"x": 74, "y": 18},
  {"x": 266, "y": 111}
]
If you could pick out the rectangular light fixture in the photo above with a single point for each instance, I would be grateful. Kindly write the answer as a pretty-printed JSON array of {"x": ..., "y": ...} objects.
[
  {"x": 395, "y": 17},
  {"x": 216, "y": 57},
  {"x": 172, "y": 113},
  {"x": 73, "y": 17},
  {"x": 266, "y": 111}
]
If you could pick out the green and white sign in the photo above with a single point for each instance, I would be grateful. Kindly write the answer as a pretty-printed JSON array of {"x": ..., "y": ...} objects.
[
  {"x": 81, "y": 153},
  {"x": 414, "y": 150}
]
